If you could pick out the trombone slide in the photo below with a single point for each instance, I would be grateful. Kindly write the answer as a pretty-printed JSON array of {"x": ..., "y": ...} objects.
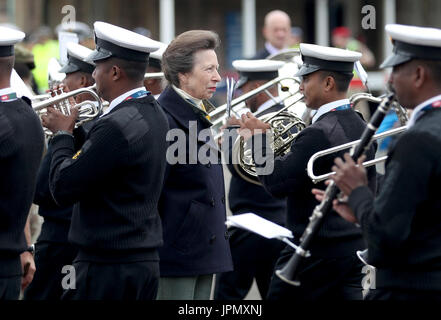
[{"x": 310, "y": 166}]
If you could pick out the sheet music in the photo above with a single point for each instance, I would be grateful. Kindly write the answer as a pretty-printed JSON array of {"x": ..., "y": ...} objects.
[{"x": 259, "y": 225}]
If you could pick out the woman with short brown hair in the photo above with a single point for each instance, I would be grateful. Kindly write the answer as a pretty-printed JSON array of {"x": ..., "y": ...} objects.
[{"x": 192, "y": 204}]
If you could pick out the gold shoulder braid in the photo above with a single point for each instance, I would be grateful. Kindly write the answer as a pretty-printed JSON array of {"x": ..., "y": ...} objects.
[{"x": 75, "y": 157}]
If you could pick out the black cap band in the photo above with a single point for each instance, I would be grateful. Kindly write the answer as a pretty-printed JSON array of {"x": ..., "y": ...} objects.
[
  {"x": 6, "y": 51},
  {"x": 155, "y": 63},
  {"x": 250, "y": 76},
  {"x": 120, "y": 52},
  {"x": 261, "y": 75},
  {"x": 417, "y": 51},
  {"x": 84, "y": 66},
  {"x": 320, "y": 64}
]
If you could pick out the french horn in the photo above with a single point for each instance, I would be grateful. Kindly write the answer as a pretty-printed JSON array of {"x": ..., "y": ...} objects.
[{"x": 285, "y": 126}]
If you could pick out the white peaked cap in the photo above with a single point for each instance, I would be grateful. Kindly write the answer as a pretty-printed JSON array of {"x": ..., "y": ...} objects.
[
  {"x": 8, "y": 38},
  {"x": 317, "y": 57},
  {"x": 411, "y": 42},
  {"x": 114, "y": 41}
]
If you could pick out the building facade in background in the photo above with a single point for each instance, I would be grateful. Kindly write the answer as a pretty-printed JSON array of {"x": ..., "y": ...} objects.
[{"x": 226, "y": 18}]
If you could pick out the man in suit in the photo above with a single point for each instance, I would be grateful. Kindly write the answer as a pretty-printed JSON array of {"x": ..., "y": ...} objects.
[
  {"x": 114, "y": 180},
  {"x": 253, "y": 255},
  {"x": 276, "y": 32},
  {"x": 52, "y": 249},
  {"x": 332, "y": 271},
  {"x": 21, "y": 148},
  {"x": 192, "y": 204},
  {"x": 402, "y": 224}
]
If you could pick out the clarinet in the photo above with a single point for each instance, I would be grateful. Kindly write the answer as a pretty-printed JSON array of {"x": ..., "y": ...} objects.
[{"x": 289, "y": 272}]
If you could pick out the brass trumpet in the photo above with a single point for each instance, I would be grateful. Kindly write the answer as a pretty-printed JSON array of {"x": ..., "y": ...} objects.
[
  {"x": 44, "y": 96},
  {"x": 88, "y": 110}
]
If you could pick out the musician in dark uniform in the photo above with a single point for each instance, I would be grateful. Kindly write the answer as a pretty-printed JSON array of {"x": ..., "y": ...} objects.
[
  {"x": 52, "y": 249},
  {"x": 155, "y": 85},
  {"x": 253, "y": 256},
  {"x": 114, "y": 180},
  {"x": 402, "y": 226},
  {"x": 333, "y": 270},
  {"x": 78, "y": 71},
  {"x": 21, "y": 149},
  {"x": 192, "y": 204}
]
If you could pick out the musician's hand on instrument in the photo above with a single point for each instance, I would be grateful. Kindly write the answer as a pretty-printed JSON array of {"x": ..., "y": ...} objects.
[
  {"x": 349, "y": 176},
  {"x": 220, "y": 140},
  {"x": 233, "y": 121},
  {"x": 55, "y": 120},
  {"x": 319, "y": 194},
  {"x": 250, "y": 126},
  {"x": 58, "y": 89},
  {"x": 64, "y": 89},
  {"x": 342, "y": 208}
]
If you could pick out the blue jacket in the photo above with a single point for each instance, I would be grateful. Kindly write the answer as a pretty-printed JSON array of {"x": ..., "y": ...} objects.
[{"x": 192, "y": 204}]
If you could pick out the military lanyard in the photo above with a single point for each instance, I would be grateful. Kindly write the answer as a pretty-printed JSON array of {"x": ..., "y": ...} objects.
[
  {"x": 433, "y": 105},
  {"x": 343, "y": 107},
  {"x": 137, "y": 95},
  {"x": 8, "y": 97}
]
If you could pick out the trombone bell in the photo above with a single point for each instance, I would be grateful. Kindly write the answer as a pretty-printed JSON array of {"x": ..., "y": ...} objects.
[
  {"x": 354, "y": 99},
  {"x": 310, "y": 166}
]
